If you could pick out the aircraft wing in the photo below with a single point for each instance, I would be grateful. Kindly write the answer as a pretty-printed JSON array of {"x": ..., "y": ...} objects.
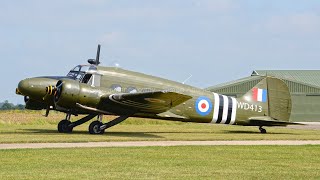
[
  {"x": 267, "y": 121},
  {"x": 149, "y": 102}
]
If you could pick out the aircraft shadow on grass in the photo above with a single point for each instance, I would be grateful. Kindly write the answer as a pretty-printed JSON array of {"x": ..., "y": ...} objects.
[
  {"x": 113, "y": 134},
  {"x": 252, "y": 132},
  {"x": 223, "y": 132},
  {"x": 147, "y": 134}
]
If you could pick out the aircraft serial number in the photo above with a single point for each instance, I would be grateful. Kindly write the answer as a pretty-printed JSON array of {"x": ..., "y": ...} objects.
[{"x": 247, "y": 107}]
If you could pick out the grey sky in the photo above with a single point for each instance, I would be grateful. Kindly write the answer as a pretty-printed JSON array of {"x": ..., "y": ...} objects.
[{"x": 214, "y": 40}]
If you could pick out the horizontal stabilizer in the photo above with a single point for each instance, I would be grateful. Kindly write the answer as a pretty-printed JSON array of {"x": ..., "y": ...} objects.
[{"x": 268, "y": 121}]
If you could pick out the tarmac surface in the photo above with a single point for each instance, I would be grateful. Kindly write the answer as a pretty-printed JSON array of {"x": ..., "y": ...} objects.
[{"x": 157, "y": 143}]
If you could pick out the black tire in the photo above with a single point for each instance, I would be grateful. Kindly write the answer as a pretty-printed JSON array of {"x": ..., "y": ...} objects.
[
  {"x": 63, "y": 126},
  {"x": 263, "y": 131},
  {"x": 94, "y": 128}
]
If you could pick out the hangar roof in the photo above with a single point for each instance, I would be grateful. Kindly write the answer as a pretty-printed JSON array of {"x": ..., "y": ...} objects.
[
  {"x": 234, "y": 82},
  {"x": 307, "y": 77},
  {"x": 311, "y": 77}
]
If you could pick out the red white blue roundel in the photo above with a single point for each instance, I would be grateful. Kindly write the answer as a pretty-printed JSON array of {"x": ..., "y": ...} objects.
[{"x": 203, "y": 106}]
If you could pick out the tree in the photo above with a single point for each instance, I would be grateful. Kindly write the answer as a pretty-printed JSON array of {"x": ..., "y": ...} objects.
[
  {"x": 7, "y": 105},
  {"x": 20, "y": 107}
]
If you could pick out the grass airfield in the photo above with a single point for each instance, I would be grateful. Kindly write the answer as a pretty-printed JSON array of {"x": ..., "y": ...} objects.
[
  {"x": 32, "y": 127},
  {"x": 187, "y": 162}
]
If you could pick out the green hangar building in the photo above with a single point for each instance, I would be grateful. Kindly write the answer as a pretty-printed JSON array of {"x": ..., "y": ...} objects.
[{"x": 304, "y": 86}]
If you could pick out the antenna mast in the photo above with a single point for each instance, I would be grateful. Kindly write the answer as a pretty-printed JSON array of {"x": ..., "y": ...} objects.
[{"x": 98, "y": 55}]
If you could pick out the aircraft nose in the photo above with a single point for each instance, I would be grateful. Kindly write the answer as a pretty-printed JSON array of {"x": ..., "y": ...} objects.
[{"x": 35, "y": 87}]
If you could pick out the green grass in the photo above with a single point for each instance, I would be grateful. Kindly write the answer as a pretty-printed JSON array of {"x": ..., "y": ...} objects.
[
  {"x": 27, "y": 117},
  {"x": 188, "y": 162},
  {"x": 184, "y": 162},
  {"x": 29, "y": 126}
]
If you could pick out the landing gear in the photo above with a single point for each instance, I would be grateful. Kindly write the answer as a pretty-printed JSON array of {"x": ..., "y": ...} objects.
[
  {"x": 94, "y": 128},
  {"x": 97, "y": 127},
  {"x": 262, "y": 130},
  {"x": 66, "y": 126}
]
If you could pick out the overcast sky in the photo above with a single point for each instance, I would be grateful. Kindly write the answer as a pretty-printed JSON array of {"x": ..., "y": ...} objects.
[{"x": 214, "y": 40}]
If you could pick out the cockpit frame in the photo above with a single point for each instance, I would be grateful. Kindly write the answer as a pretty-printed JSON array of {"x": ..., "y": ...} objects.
[{"x": 86, "y": 74}]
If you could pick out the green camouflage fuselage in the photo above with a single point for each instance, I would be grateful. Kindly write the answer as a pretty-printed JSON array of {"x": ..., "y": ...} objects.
[{"x": 202, "y": 107}]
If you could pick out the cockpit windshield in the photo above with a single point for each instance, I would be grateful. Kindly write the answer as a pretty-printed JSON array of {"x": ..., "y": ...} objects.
[{"x": 80, "y": 71}]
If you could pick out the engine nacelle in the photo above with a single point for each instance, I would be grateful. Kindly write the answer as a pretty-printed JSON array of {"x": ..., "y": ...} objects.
[{"x": 71, "y": 92}]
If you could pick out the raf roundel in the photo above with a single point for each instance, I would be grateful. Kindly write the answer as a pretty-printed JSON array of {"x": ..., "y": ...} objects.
[{"x": 203, "y": 106}]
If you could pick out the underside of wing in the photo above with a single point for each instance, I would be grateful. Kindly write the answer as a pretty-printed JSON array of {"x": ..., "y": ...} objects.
[
  {"x": 149, "y": 102},
  {"x": 169, "y": 114}
]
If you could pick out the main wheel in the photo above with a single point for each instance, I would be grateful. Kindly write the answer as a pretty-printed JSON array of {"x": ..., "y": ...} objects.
[
  {"x": 94, "y": 128},
  {"x": 63, "y": 126}
]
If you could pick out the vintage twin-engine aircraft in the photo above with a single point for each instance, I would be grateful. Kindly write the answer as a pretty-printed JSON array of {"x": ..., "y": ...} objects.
[{"x": 94, "y": 90}]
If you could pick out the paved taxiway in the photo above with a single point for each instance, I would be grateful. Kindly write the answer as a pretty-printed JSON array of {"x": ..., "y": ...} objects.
[{"x": 156, "y": 143}]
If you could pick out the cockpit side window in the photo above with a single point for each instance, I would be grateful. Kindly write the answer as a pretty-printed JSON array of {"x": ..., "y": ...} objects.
[
  {"x": 79, "y": 76},
  {"x": 86, "y": 78},
  {"x": 82, "y": 74},
  {"x": 91, "y": 79},
  {"x": 77, "y": 68},
  {"x": 85, "y": 68}
]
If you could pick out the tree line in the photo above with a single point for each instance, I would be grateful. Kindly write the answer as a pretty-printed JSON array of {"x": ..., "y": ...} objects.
[{"x": 6, "y": 105}]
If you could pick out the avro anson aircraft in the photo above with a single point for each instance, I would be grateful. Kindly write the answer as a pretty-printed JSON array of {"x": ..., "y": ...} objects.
[{"x": 95, "y": 91}]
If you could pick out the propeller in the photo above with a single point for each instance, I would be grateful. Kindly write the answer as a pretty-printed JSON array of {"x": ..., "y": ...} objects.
[
  {"x": 53, "y": 92},
  {"x": 50, "y": 92},
  {"x": 58, "y": 91},
  {"x": 52, "y": 95},
  {"x": 97, "y": 60},
  {"x": 49, "y": 97}
]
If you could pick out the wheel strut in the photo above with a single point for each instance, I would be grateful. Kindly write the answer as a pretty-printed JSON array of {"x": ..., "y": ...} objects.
[
  {"x": 82, "y": 120},
  {"x": 96, "y": 127},
  {"x": 113, "y": 122},
  {"x": 66, "y": 126},
  {"x": 68, "y": 117}
]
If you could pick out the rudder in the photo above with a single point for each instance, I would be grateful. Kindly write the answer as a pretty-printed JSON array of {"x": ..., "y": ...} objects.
[
  {"x": 273, "y": 95},
  {"x": 280, "y": 104}
]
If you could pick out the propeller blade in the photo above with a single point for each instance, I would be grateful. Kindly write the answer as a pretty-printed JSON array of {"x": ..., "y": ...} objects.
[{"x": 47, "y": 111}]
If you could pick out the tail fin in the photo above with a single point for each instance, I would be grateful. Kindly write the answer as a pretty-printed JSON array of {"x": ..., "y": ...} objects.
[{"x": 273, "y": 96}]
